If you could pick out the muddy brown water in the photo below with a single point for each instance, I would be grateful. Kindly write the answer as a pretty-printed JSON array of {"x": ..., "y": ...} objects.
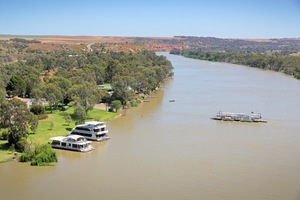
[{"x": 173, "y": 150}]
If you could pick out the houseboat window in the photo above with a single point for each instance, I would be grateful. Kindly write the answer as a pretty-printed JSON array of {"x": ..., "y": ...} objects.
[
  {"x": 82, "y": 134},
  {"x": 80, "y": 139},
  {"x": 102, "y": 129},
  {"x": 74, "y": 145},
  {"x": 100, "y": 135},
  {"x": 96, "y": 130},
  {"x": 56, "y": 142},
  {"x": 63, "y": 144},
  {"x": 82, "y": 129},
  {"x": 71, "y": 140}
]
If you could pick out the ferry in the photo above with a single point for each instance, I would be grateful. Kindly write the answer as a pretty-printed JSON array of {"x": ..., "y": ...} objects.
[
  {"x": 241, "y": 117},
  {"x": 96, "y": 131},
  {"x": 72, "y": 142}
]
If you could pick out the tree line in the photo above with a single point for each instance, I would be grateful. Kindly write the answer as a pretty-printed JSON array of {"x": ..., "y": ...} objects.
[
  {"x": 61, "y": 77},
  {"x": 280, "y": 62}
]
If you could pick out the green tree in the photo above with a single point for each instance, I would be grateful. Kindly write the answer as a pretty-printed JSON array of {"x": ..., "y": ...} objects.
[
  {"x": 63, "y": 85},
  {"x": 86, "y": 95},
  {"x": 15, "y": 116},
  {"x": 68, "y": 119},
  {"x": 2, "y": 89},
  {"x": 116, "y": 105},
  {"x": 52, "y": 94},
  {"x": 16, "y": 86},
  {"x": 79, "y": 115},
  {"x": 111, "y": 70},
  {"x": 34, "y": 122},
  {"x": 37, "y": 109}
]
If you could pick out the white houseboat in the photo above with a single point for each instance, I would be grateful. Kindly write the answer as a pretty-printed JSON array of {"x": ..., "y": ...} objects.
[
  {"x": 72, "y": 142},
  {"x": 96, "y": 131}
]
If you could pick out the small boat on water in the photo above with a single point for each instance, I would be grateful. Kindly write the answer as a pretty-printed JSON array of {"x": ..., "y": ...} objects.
[
  {"x": 72, "y": 142},
  {"x": 241, "y": 117}
]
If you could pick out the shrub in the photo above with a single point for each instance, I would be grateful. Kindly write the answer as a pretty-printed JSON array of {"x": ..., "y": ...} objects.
[
  {"x": 37, "y": 109},
  {"x": 25, "y": 157},
  {"x": 42, "y": 155},
  {"x": 22, "y": 145},
  {"x": 4, "y": 135}
]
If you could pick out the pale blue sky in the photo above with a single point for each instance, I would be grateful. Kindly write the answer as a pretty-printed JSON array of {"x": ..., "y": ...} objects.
[{"x": 215, "y": 18}]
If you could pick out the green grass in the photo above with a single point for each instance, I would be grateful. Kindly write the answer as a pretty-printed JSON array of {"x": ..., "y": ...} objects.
[
  {"x": 5, "y": 153},
  {"x": 60, "y": 128}
]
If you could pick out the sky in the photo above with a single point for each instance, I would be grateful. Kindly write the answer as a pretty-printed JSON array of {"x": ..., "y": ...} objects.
[{"x": 152, "y": 18}]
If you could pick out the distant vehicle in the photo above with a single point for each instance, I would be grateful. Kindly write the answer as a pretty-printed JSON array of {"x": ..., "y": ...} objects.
[
  {"x": 229, "y": 116},
  {"x": 72, "y": 142},
  {"x": 96, "y": 131}
]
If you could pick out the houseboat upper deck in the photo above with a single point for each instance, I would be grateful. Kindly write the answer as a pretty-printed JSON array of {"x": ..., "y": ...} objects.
[{"x": 93, "y": 130}]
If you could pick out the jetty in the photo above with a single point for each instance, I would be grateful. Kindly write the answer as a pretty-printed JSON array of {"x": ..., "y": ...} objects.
[{"x": 241, "y": 117}]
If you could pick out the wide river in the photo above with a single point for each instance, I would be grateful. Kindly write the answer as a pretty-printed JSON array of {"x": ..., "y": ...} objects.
[{"x": 174, "y": 151}]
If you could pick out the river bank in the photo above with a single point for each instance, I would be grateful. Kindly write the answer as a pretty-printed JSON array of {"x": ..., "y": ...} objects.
[{"x": 55, "y": 125}]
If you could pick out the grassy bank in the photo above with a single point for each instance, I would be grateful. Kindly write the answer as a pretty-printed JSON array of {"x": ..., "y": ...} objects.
[{"x": 59, "y": 127}]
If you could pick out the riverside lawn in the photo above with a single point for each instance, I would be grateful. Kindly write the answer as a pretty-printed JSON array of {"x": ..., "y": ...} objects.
[{"x": 59, "y": 127}]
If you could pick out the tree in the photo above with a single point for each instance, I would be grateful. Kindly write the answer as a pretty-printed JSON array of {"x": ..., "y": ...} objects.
[
  {"x": 123, "y": 90},
  {"x": 34, "y": 122},
  {"x": 16, "y": 86},
  {"x": 68, "y": 119},
  {"x": 48, "y": 63},
  {"x": 79, "y": 115},
  {"x": 52, "y": 94},
  {"x": 86, "y": 95},
  {"x": 2, "y": 90},
  {"x": 111, "y": 70},
  {"x": 15, "y": 116},
  {"x": 63, "y": 85},
  {"x": 116, "y": 105},
  {"x": 37, "y": 109}
]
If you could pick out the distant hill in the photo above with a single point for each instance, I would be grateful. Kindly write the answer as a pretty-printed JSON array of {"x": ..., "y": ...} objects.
[
  {"x": 243, "y": 45},
  {"x": 168, "y": 43},
  {"x": 17, "y": 47}
]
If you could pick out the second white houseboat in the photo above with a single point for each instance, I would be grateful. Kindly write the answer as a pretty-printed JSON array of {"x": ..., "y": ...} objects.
[
  {"x": 72, "y": 142},
  {"x": 96, "y": 131}
]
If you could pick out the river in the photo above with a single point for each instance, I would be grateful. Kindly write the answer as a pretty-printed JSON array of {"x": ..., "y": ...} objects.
[{"x": 174, "y": 151}]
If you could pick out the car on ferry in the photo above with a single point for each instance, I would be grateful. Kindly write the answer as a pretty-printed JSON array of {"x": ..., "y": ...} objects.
[{"x": 94, "y": 130}]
